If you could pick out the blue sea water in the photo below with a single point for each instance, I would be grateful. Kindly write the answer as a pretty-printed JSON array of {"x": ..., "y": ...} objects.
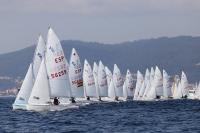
[{"x": 172, "y": 116}]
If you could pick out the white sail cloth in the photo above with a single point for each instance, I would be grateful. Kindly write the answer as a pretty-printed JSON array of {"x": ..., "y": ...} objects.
[
  {"x": 56, "y": 67},
  {"x": 166, "y": 85},
  {"x": 76, "y": 75},
  {"x": 88, "y": 80},
  {"x": 102, "y": 81},
  {"x": 118, "y": 81},
  {"x": 139, "y": 83}
]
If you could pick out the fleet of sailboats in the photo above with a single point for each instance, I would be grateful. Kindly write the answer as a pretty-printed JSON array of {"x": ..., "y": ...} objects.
[{"x": 52, "y": 84}]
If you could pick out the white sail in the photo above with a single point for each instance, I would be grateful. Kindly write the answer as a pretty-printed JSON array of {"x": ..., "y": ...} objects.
[
  {"x": 108, "y": 75},
  {"x": 125, "y": 91},
  {"x": 129, "y": 84},
  {"x": 158, "y": 82},
  {"x": 139, "y": 82},
  {"x": 40, "y": 94},
  {"x": 67, "y": 65},
  {"x": 88, "y": 80},
  {"x": 26, "y": 88},
  {"x": 118, "y": 81},
  {"x": 147, "y": 75},
  {"x": 146, "y": 81},
  {"x": 184, "y": 84},
  {"x": 175, "y": 88},
  {"x": 38, "y": 55},
  {"x": 111, "y": 90},
  {"x": 147, "y": 89},
  {"x": 152, "y": 73},
  {"x": 56, "y": 67},
  {"x": 142, "y": 90},
  {"x": 166, "y": 85},
  {"x": 102, "y": 81},
  {"x": 155, "y": 85},
  {"x": 179, "y": 94},
  {"x": 197, "y": 91},
  {"x": 75, "y": 74},
  {"x": 95, "y": 74}
]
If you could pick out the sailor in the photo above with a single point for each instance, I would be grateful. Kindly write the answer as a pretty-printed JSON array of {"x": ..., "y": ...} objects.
[
  {"x": 100, "y": 99},
  {"x": 72, "y": 100},
  {"x": 116, "y": 98},
  {"x": 88, "y": 98},
  {"x": 55, "y": 101}
]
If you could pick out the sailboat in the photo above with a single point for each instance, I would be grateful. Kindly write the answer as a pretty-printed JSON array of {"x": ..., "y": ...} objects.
[
  {"x": 102, "y": 81},
  {"x": 76, "y": 75},
  {"x": 184, "y": 85},
  {"x": 88, "y": 82},
  {"x": 111, "y": 92},
  {"x": 138, "y": 86},
  {"x": 95, "y": 74},
  {"x": 167, "y": 93},
  {"x": 197, "y": 92},
  {"x": 177, "y": 92},
  {"x": 152, "y": 73},
  {"x": 118, "y": 81},
  {"x": 143, "y": 88},
  {"x": 108, "y": 75},
  {"x": 40, "y": 96},
  {"x": 158, "y": 83},
  {"x": 111, "y": 88},
  {"x": 156, "y": 89},
  {"x": 52, "y": 81},
  {"x": 128, "y": 86},
  {"x": 147, "y": 83},
  {"x": 22, "y": 98}
]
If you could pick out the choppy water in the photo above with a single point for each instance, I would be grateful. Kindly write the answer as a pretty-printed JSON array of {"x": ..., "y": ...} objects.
[{"x": 164, "y": 116}]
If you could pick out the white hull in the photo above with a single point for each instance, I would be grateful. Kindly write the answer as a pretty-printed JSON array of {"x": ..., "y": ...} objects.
[
  {"x": 191, "y": 96},
  {"x": 19, "y": 106},
  {"x": 84, "y": 101},
  {"x": 127, "y": 99},
  {"x": 107, "y": 99},
  {"x": 51, "y": 107}
]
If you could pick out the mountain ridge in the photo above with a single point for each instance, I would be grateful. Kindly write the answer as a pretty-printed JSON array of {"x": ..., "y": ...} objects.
[{"x": 171, "y": 53}]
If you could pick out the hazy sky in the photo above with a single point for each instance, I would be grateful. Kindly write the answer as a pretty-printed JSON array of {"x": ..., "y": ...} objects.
[{"x": 107, "y": 21}]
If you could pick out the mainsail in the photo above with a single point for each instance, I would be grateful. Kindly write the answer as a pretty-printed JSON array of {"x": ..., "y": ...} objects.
[
  {"x": 166, "y": 85},
  {"x": 38, "y": 56},
  {"x": 108, "y": 75},
  {"x": 118, "y": 81},
  {"x": 152, "y": 73},
  {"x": 139, "y": 82},
  {"x": 88, "y": 80},
  {"x": 175, "y": 88},
  {"x": 184, "y": 84},
  {"x": 56, "y": 67},
  {"x": 102, "y": 81},
  {"x": 76, "y": 75},
  {"x": 111, "y": 90},
  {"x": 158, "y": 82},
  {"x": 147, "y": 82},
  {"x": 129, "y": 84},
  {"x": 95, "y": 74}
]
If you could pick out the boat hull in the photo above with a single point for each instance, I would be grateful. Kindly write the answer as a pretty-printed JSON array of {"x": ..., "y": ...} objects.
[
  {"x": 51, "y": 107},
  {"x": 19, "y": 106}
]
